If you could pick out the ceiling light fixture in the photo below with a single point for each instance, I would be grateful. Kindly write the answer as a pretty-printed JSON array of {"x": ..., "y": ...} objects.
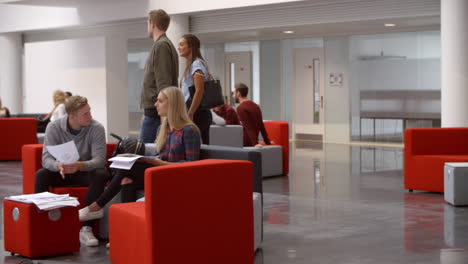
[
  {"x": 390, "y": 25},
  {"x": 288, "y": 32}
]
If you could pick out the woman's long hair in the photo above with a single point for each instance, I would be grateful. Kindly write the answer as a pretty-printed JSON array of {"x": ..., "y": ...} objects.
[
  {"x": 59, "y": 98},
  {"x": 194, "y": 43},
  {"x": 177, "y": 116}
]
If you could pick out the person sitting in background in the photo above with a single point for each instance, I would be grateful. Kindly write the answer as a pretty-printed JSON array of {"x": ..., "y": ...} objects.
[
  {"x": 178, "y": 140},
  {"x": 4, "y": 111},
  {"x": 250, "y": 115},
  {"x": 227, "y": 113},
  {"x": 59, "y": 106},
  {"x": 68, "y": 95}
]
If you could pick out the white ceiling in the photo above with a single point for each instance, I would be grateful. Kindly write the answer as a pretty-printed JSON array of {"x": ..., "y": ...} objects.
[
  {"x": 329, "y": 29},
  {"x": 311, "y": 30},
  {"x": 51, "y": 3}
]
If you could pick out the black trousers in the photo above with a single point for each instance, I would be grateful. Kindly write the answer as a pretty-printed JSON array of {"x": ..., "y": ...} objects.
[
  {"x": 129, "y": 191},
  {"x": 203, "y": 119},
  {"x": 95, "y": 181}
]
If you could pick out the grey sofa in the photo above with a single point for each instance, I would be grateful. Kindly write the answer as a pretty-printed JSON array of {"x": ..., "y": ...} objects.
[{"x": 213, "y": 152}]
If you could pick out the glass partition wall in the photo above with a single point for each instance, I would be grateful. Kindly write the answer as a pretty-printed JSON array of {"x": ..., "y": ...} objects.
[
  {"x": 395, "y": 84},
  {"x": 392, "y": 82}
]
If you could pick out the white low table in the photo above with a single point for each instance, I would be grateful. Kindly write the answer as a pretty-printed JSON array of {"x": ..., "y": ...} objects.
[{"x": 456, "y": 183}]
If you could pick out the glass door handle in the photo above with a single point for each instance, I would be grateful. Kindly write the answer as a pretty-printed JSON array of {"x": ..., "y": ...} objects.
[{"x": 321, "y": 101}]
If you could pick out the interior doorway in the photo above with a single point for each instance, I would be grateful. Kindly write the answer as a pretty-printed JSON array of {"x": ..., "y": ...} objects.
[
  {"x": 309, "y": 95},
  {"x": 238, "y": 68}
]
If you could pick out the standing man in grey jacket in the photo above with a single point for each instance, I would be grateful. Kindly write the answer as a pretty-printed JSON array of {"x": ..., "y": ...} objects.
[
  {"x": 89, "y": 138},
  {"x": 161, "y": 71}
]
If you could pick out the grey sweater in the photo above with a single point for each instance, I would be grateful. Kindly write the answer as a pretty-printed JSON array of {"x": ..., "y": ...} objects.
[{"x": 90, "y": 142}]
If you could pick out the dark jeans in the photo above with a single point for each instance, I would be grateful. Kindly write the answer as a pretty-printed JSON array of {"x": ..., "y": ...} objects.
[
  {"x": 203, "y": 119},
  {"x": 129, "y": 191},
  {"x": 95, "y": 181},
  {"x": 149, "y": 128}
]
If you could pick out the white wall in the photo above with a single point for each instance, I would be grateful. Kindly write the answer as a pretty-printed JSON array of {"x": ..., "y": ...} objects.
[
  {"x": 117, "y": 85},
  {"x": 11, "y": 62},
  {"x": 337, "y": 98},
  {"x": 76, "y": 65},
  {"x": 21, "y": 17},
  {"x": 82, "y": 13},
  {"x": 114, "y": 104}
]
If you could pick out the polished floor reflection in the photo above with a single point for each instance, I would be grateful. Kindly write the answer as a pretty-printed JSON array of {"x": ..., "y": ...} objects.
[{"x": 340, "y": 204}]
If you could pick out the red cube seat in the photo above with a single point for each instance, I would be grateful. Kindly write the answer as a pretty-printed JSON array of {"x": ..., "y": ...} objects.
[{"x": 33, "y": 233}]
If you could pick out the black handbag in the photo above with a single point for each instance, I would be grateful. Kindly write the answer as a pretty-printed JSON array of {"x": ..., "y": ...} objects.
[{"x": 212, "y": 96}]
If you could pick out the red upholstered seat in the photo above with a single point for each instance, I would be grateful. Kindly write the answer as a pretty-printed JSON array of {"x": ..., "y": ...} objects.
[
  {"x": 278, "y": 131},
  {"x": 36, "y": 233},
  {"x": 195, "y": 212},
  {"x": 16, "y": 132},
  {"x": 32, "y": 162},
  {"x": 130, "y": 224},
  {"x": 426, "y": 152}
]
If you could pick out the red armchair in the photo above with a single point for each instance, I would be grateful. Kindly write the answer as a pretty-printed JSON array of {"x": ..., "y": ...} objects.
[
  {"x": 195, "y": 212},
  {"x": 16, "y": 132},
  {"x": 278, "y": 131},
  {"x": 426, "y": 152},
  {"x": 32, "y": 162}
]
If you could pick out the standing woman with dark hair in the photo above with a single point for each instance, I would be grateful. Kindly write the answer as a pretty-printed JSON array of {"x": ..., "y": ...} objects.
[{"x": 195, "y": 74}]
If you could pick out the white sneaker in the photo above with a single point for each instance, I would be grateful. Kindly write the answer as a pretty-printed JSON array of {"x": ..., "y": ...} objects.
[
  {"x": 87, "y": 237},
  {"x": 86, "y": 215}
]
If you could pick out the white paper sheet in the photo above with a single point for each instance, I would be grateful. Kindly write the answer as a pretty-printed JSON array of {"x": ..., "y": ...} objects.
[
  {"x": 66, "y": 153},
  {"x": 126, "y": 162},
  {"x": 46, "y": 200}
]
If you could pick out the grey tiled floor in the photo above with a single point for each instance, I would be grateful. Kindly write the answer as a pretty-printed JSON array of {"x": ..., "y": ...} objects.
[{"x": 340, "y": 204}]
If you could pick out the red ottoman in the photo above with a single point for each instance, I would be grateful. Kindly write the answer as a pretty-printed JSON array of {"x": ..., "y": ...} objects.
[{"x": 34, "y": 233}]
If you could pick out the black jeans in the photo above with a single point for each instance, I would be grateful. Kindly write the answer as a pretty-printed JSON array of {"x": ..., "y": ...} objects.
[
  {"x": 129, "y": 191},
  {"x": 203, "y": 119},
  {"x": 96, "y": 181}
]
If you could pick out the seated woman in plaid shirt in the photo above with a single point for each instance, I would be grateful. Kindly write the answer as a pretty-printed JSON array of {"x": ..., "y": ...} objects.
[{"x": 178, "y": 140}]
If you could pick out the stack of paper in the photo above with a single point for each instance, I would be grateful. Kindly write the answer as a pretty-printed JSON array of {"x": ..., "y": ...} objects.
[
  {"x": 126, "y": 161},
  {"x": 46, "y": 200}
]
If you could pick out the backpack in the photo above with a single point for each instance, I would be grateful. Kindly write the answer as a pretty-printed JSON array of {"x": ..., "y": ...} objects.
[{"x": 128, "y": 145}]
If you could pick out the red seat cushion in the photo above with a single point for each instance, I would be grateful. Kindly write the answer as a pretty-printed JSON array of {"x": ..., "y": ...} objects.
[
  {"x": 127, "y": 222},
  {"x": 428, "y": 171}
]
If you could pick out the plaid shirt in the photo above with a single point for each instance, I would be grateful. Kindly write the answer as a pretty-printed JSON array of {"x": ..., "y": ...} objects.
[{"x": 181, "y": 145}]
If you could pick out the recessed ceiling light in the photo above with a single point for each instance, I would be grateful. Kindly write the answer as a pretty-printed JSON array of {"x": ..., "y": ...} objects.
[
  {"x": 288, "y": 32},
  {"x": 390, "y": 25}
]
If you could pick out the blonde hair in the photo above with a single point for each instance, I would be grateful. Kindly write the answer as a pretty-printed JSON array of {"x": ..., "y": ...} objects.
[
  {"x": 59, "y": 98},
  {"x": 177, "y": 116}
]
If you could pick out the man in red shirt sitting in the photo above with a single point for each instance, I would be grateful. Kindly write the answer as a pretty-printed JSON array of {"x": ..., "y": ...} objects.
[
  {"x": 250, "y": 115},
  {"x": 227, "y": 113}
]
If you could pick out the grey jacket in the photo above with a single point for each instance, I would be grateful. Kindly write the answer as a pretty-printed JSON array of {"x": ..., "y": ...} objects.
[
  {"x": 90, "y": 142},
  {"x": 161, "y": 71}
]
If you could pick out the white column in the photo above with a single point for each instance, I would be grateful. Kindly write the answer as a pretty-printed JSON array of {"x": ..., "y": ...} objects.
[
  {"x": 454, "y": 36},
  {"x": 178, "y": 27},
  {"x": 11, "y": 68}
]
